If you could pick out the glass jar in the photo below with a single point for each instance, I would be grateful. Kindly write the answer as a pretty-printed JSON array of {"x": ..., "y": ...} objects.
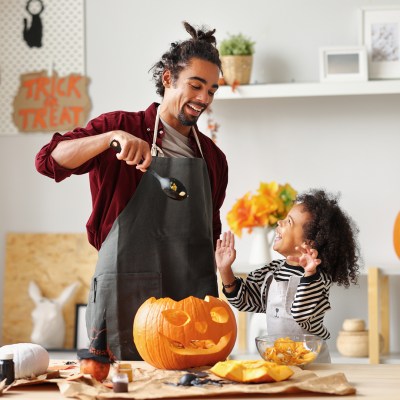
[
  {"x": 7, "y": 370},
  {"x": 120, "y": 383}
]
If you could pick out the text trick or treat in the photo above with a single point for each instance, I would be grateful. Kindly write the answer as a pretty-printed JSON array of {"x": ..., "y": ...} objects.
[
  {"x": 51, "y": 103},
  {"x": 182, "y": 334}
]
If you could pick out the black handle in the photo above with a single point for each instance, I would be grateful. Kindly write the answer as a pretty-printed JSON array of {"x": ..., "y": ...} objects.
[{"x": 114, "y": 144}]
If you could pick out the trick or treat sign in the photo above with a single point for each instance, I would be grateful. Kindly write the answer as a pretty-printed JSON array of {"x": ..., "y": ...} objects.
[{"x": 51, "y": 103}]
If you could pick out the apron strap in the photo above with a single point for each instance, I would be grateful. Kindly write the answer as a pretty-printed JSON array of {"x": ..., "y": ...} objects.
[
  {"x": 197, "y": 141},
  {"x": 267, "y": 282},
  {"x": 155, "y": 149}
]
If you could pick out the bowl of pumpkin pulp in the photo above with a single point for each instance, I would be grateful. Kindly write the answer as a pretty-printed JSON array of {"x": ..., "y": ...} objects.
[{"x": 298, "y": 350}]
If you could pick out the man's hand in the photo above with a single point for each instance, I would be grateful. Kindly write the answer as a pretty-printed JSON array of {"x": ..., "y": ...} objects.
[{"x": 134, "y": 151}]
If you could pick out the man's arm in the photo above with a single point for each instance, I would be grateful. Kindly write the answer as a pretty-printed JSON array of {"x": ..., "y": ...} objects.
[{"x": 73, "y": 153}]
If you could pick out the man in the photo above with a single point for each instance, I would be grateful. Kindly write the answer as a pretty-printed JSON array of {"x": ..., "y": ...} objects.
[{"x": 149, "y": 244}]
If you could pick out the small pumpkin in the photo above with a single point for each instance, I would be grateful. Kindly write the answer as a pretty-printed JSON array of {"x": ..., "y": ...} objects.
[
  {"x": 249, "y": 371},
  {"x": 183, "y": 334},
  {"x": 396, "y": 235},
  {"x": 30, "y": 359},
  {"x": 98, "y": 370}
]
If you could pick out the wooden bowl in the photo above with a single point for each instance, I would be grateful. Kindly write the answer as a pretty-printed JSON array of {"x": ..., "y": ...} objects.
[
  {"x": 353, "y": 325},
  {"x": 355, "y": 343}
]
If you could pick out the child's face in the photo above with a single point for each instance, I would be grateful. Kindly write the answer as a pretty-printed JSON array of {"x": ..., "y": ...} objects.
[{"x": 289, "y": 232}]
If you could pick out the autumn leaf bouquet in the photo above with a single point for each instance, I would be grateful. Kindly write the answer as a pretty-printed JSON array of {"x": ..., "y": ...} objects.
[{"x": 266, "y": 207}]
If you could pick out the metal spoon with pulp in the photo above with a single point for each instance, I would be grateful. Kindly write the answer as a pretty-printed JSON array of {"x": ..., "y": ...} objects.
[{"x": 172, "y": 187}]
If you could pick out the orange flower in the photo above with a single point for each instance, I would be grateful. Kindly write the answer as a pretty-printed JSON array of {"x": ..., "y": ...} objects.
[{"x": 270, "y": 204}]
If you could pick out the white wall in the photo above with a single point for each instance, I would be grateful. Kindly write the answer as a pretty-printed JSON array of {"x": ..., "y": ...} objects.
[{"x": 346, "y": 144}]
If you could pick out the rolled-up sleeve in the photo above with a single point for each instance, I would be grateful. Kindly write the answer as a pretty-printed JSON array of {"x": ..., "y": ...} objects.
[{"x": 45, "y": 163}]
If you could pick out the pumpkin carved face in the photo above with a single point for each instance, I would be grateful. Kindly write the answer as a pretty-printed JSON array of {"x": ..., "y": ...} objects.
[{"x": 184, "y": 334}]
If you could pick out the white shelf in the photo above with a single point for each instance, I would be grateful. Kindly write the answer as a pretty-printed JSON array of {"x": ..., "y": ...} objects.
[{"x": 313, "y": 89}]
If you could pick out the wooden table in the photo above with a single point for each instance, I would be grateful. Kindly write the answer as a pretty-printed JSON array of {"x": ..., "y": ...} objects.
[{"x": 371, "y": 382}]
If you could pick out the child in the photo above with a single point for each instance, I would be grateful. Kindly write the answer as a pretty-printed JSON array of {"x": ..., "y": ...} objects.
[{"x": 318, "y": 241}]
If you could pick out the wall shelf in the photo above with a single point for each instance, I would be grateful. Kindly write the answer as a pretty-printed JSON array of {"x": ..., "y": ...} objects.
[{"x": 312, "y": 89}]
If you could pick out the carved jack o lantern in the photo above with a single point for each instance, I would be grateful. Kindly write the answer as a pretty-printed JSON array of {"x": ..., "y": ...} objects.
[{"x": 184, "y": 334}]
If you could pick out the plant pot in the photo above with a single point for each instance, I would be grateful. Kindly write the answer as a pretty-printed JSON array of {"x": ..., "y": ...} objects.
[
  {"x": 260, "y": 250},
  {"x": 237, "y": 68}
]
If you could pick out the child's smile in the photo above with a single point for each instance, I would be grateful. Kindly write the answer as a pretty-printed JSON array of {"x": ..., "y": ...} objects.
[{"x": 289, "y": 232}]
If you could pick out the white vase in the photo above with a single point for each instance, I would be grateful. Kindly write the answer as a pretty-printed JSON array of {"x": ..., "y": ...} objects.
[{"x": 261, "y": 245}]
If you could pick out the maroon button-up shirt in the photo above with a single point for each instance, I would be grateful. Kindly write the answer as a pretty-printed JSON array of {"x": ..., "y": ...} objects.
[{"x": 113, "y": 182}]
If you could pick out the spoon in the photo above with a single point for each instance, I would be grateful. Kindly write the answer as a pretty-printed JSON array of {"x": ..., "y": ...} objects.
[{"x": 171, "y": 187}]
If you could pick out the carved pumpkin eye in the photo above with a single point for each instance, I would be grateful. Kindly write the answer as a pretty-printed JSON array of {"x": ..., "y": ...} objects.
[{"x": 176, "y": 317}]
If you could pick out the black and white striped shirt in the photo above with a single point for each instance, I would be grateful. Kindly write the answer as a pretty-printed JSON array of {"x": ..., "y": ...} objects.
[{"x": 310, "y": 303}]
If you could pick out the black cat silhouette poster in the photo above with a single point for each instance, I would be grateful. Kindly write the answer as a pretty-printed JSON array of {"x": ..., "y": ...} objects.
[
  {"x": 33, "y": 29},
  {"x": 51, "y": 103},
  {"x": 36, "y": 36}
]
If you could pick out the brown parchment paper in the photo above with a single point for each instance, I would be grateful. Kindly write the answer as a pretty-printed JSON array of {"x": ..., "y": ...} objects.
[{"x": 152, "y": 384}]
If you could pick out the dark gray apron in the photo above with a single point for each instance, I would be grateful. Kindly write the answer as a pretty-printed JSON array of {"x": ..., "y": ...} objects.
[
  {"x": 156, "y": 247},
  {"x": 280, "y": 296}
]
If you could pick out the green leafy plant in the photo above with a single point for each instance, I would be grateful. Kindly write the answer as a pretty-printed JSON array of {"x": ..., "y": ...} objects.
[{"x": 236, "y": 45}]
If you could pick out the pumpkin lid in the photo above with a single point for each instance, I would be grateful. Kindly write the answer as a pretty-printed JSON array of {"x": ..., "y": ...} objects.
[{"x": 98, "y": 349}]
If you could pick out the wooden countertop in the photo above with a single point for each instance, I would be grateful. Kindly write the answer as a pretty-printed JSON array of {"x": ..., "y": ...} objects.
[{"x": 371, "y": 382}]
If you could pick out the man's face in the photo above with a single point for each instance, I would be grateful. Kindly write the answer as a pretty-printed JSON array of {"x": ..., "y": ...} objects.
[{"x": 186, "y": 98}]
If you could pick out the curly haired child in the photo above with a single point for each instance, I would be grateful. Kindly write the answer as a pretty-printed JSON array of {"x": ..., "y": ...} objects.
[{"x": 319, "y": 243}]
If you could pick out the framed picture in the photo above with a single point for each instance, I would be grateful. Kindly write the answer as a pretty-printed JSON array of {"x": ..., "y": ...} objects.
[
  {"x": 338, "y": 64},
  {"x": 379, "y": 32},
  {"x": 81, "y": 336}
]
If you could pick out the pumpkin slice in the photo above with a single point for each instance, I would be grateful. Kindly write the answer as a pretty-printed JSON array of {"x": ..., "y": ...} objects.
[{"x": 250, "y": 371}]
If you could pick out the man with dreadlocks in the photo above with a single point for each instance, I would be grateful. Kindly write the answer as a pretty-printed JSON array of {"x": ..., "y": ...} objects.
[{"x": 150, "y": 245}]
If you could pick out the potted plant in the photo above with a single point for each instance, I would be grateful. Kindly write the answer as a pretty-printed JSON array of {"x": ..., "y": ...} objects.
[{"x": 237, "y": 59}]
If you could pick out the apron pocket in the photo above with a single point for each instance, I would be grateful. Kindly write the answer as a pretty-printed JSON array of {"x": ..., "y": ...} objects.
[{"x": 118, "y": 297}]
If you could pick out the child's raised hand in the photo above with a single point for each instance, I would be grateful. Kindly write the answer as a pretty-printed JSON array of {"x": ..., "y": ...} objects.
[
  {"x": 308, "y": 259},
  {"x": 225, "y": 253}
]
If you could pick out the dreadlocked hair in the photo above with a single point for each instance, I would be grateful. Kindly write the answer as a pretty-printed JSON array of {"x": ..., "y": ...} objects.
[
  {"x": 333, "y": 234},
  {"x": 202, "y": 45}
]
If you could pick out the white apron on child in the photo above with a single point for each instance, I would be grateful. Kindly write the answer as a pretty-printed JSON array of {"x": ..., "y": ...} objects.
[{"x": 280, "y": 296}]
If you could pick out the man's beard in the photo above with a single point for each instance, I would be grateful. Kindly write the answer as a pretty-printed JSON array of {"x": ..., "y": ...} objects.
[{"x": 185, "y": 121}]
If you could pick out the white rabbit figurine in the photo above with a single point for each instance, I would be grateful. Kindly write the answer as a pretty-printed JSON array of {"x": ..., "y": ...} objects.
[{"x": 47, "y": 316}]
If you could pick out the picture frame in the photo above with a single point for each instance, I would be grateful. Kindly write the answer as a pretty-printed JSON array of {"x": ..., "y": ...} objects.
[
  {"x": 379, "y": 32},
  {"x": 343, "y": 64},
  {"x": 81, "y": 340}
]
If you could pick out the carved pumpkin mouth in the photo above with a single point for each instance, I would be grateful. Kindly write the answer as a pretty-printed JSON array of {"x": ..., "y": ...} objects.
[{"x": 197, "y": 347}]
